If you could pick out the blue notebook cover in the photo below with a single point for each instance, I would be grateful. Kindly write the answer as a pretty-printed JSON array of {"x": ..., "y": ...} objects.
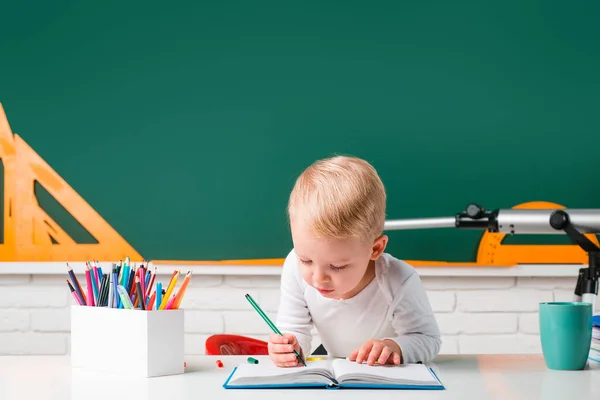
[
  {"x": 596, "y": 320},
  {"x": 332, "y": 384}
]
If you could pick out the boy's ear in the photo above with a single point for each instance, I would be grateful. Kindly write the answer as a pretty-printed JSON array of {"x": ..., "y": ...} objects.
[{"x": 378, "y": 247}]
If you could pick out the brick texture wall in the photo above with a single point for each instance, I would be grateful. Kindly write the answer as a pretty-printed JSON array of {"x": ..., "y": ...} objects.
[{"x": 475, "y": 314}]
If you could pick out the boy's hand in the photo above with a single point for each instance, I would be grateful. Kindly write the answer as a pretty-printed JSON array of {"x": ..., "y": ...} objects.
[
  {"x": 380, "y": 351},
  {"x": 281, "y": 350}
]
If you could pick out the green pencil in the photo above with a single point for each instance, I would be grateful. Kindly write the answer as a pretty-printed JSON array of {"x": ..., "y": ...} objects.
[{"x": 271, "y": 324}]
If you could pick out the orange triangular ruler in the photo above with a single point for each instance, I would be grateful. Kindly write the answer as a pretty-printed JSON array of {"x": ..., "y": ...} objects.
[{"x": 30, "y": 234}]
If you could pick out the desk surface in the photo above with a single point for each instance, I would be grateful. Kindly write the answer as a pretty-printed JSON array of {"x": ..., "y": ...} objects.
[{"x": 465, "y": 377}]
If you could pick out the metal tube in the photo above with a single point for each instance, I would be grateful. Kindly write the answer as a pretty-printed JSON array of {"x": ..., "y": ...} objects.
[
  {"x": 525, "y": 221},
  {"x": 420, "y": 223},
  {"x": 513, "y": 221},
  {"x": 590, "y": 298}
]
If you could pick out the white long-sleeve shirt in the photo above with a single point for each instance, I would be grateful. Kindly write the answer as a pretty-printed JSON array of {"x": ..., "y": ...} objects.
[{"x": 394, "y": 305}]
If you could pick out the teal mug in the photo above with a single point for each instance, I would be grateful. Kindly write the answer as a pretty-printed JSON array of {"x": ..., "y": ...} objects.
[{"x": 566, "y": 334}]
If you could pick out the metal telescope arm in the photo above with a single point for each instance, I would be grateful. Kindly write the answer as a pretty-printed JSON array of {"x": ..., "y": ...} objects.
[
  {"x": 574, "y": 222},
  {"x": 512, "y": 221}
]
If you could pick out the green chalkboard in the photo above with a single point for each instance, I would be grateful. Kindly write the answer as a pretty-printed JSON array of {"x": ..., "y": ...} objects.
[{"x": 184, "y": 124}]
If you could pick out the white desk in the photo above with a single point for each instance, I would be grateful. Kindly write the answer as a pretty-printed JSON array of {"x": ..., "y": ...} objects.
[{"x": 465, "y": 377}]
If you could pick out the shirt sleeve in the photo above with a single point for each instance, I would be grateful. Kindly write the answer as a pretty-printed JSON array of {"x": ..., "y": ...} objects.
[
  {"x": 417, "y": 331},
  {"x": 293, "y": 315}
]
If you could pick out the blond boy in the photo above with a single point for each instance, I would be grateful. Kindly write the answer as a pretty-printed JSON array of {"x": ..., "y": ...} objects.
[{"x": 365, "y": 304}]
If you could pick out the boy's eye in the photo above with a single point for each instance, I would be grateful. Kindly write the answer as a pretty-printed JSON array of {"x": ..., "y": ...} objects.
[
  {"x": 334, "y": 268},
  {"x": 307, "y": 262}
]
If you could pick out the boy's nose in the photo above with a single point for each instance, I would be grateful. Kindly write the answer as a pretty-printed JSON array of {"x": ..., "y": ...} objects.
[{"x": 319, "y": 276}]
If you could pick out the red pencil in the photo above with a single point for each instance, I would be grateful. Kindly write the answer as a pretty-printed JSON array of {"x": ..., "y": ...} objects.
[
  {"x": 149, "y": 288},
  {"x": 151, "y": 302}
]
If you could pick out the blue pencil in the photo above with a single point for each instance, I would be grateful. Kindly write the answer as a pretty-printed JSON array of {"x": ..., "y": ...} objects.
[
  {"x": 123, "y": 282},
  {"x": 158, "y": 294},
  {"x": 115, "y": 292},
  {"x": 148, "y": 273}
]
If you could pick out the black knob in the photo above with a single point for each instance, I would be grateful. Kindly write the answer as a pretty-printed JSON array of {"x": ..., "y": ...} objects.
[
  {"x": 559, "y": 219},
  {"x": 474, "y": 211}
]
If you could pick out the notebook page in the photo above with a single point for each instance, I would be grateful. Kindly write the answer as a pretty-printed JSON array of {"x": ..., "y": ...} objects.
[
  {"x": 347, "y": 371},
  {"x": 269, "y": 373}
]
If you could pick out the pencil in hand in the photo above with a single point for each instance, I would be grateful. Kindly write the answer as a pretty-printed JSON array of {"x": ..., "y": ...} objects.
[{"x": 270, "y": 323}]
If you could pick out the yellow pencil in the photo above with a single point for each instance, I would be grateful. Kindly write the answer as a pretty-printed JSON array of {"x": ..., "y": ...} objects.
[
  {"x": 172, "y": 284},
  {"x": 181, "y": 291}
]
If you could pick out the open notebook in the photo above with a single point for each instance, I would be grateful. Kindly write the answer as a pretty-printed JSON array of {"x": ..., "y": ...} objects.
[{"x": 333, "y": 373}]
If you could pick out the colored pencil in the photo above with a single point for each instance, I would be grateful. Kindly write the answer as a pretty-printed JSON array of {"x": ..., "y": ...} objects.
[
  {"x": 75, "y": 295},
  {"x": 270, "y": 323},
  {"x": 124, "y": 297},
  {"x": 117, "y": 277},
  {"x": 142, "y": 274},
  {"x": 99, "y": 271},
  {"x": 107, "y": 290},
  {"x": 147, "y": 288},
  {"x": 159, "y": 290},
  {"x": 130, "y": 286},
  {"x": 151, "y": 301},
  {"x": 151, "y": 283},
  {"x": 125, "y": 276},
  {"x": 76, "y": 284},
  {"x": 102, "y": 294},
  {"x": 140, "y": 297},
  {"x": 95, "y": 283},
  {"x": 170, "y": 289},
  {"x": 88, "y": 282},
  {"x": 170, "y": 303},
  {"x": 182, "y": 290},
  {"x": 111, "y": 297}
]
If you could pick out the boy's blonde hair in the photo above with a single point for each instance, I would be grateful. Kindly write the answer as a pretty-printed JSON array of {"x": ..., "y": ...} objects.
[{"x": 340, "y": 197}]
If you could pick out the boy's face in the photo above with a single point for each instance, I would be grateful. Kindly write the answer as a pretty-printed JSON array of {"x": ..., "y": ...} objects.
[{"x": 337, "y": 268}]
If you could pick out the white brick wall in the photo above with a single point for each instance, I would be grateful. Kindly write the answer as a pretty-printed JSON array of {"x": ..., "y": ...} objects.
[{"x": 476, "y": 315}]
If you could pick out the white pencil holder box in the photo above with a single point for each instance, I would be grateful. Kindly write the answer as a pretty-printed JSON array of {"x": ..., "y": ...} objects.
[{"x": 127, "y": 342}]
